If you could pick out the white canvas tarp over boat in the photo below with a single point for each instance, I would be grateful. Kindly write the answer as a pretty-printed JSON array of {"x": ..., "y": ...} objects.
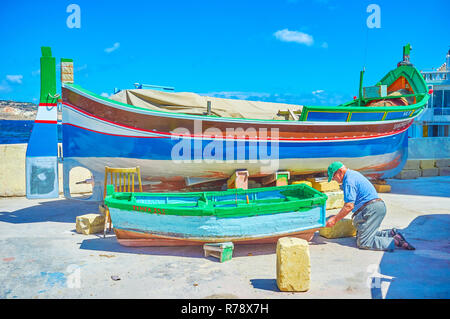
[{"x": 192, "y": 103}]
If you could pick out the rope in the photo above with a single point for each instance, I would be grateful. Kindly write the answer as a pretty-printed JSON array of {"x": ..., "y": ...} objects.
[
  {"x": 54, "y": 97},
  {"x": 365, "y": 47}
]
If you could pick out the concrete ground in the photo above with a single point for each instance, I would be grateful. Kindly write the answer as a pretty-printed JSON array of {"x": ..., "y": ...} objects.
[{"x": 41, "y": 256}]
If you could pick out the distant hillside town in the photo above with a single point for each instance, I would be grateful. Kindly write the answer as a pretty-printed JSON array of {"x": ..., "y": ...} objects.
[{"x": 12, "y": 110}]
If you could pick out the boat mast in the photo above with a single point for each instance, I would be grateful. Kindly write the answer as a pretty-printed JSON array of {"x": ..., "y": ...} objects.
[
  {"x": 361, "y": 75},
  {"x": 406, "y": 52},
  {"x": 140, "y": 86}
]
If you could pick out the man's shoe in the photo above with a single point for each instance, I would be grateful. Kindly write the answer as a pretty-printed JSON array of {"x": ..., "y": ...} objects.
[{"x": 400, "y": 241}]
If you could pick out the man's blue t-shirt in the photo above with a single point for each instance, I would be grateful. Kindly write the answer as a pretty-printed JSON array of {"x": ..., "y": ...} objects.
[{"x": 357, "y": 189}]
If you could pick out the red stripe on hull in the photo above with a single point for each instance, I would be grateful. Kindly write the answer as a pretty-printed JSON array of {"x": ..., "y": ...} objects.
[
  {"x": 112, "y": 134},
  {"x": 45, "y": 122},
  {"x": 404, "y": 128}
]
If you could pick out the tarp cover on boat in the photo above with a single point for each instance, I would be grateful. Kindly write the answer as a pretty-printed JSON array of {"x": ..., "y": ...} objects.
[
  {"x": 192, "y": 103},
  {"x": 394, "y": 102}
]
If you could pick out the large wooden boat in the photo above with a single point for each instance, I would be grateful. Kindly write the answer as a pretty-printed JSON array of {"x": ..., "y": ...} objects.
[
  {"x": 177, "y": 145},
  {"x": 260, "y": 215}
]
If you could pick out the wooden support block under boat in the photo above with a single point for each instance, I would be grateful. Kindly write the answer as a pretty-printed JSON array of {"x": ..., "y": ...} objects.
[
  {"x": 322, "y": 185},
  {"x": 238, "y": 180},
  {"x": 277, "y": 178},
  {"x": 282, "y": 178}
]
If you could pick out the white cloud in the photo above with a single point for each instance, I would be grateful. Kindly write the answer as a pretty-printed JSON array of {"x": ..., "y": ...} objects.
[
  {"x": 237, "y": 95},
  {"x": 105, "y": 94},
  {"x": 113, "y": 48},
  {"x": 286, "y": 35},
  {"x": 317, "y": 97},
  {"x": 15, "y": 78}
]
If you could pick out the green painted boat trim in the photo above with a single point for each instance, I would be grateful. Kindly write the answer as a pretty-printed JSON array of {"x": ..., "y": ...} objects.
[
  {"x": 48, "y": 77},
  {"x": 414, "y": 78},
  {"x": 299, "y": 197}
]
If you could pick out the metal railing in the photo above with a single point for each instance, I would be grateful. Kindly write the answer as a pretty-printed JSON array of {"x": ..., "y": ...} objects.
[{"x": 436, "y": 75}]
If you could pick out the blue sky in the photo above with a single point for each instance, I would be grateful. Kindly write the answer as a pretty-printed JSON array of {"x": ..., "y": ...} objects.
[{"x": 294, "y": 51}]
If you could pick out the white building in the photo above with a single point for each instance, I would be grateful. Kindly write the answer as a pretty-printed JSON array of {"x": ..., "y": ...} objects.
[{"x": 435, "y": 120}]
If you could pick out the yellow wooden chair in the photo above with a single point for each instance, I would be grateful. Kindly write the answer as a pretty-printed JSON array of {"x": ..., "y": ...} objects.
[{"x": 123, "y": 181}]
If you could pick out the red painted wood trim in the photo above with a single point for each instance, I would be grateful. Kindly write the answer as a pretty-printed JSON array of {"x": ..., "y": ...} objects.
[{"x": 45, "y": 122}]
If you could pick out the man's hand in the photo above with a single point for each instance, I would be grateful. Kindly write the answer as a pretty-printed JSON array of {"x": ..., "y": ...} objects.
[{"x": 331, "y": 221}]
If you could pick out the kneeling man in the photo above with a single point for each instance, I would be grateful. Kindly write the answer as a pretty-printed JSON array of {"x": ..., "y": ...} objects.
[{"x": 361, "y": 197}]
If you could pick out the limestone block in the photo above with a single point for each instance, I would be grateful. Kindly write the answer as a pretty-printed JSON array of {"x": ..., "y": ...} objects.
[
  {"x": 408, "y": 174},
  {"x": 343, "y": 228},
  {"x": 335, "y": 199},
  {"x": 12, "y": 169},
  {"x": 382, "y": 188},
  {"x": 302, "y": 182},
  {"x": 412, "y": 164},
  {"x": 90, "y": 224},
  {"x": 293, "y": 264},
  {"x": 443, "y": 162},
  {"x": 12, "y": 172},
  {"x": 426, "y": 164},
  {"x": 444, "y": 171},
  {"x": 428, "y": 172},
  {"x": 321, "y": 184}
]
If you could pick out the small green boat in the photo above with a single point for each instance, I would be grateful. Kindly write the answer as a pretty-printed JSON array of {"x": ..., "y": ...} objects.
[{"x": 246, "y": 216}]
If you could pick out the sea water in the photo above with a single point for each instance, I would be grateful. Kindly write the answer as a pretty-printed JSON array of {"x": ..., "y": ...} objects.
[{"x": 19, "y": 131}]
